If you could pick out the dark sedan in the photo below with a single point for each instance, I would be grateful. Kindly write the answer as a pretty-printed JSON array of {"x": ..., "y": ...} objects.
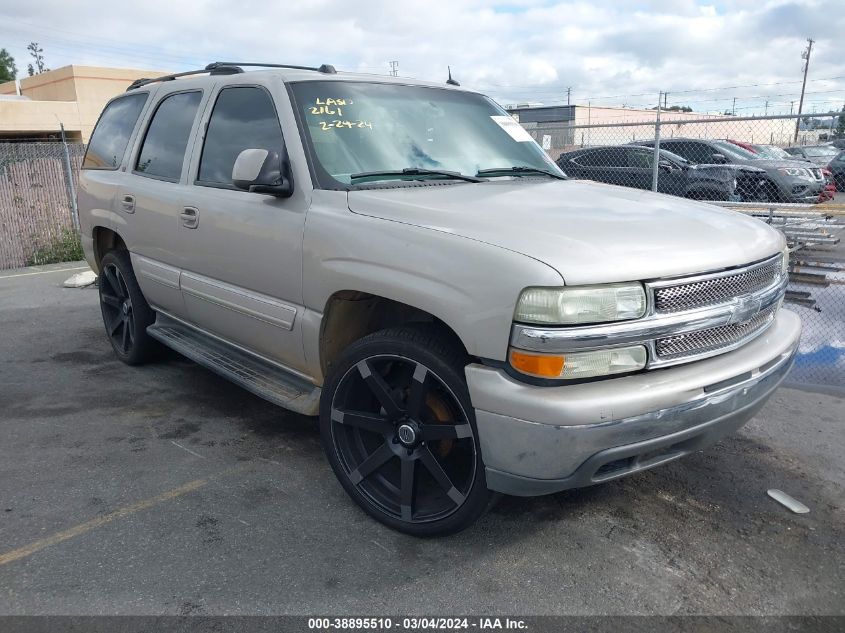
[
  {"x": 818, "y": 154},
  {"x": 632, "y": 166},
  {"x": 837, "y": 167},
  {"x": 793, "y": 181}
]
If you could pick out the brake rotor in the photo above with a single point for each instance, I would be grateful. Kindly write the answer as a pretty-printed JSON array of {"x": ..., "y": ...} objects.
[{"x": 442, "y": 413}]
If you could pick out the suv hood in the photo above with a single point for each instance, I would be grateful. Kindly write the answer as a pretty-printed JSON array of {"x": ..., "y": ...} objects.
[{"x": 588, "y": 232}]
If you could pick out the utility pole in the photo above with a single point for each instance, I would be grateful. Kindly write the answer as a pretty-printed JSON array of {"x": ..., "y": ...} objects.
[
  {"x": 791, "y": 106},
  {"x": 766, "y": 110},
  {"x": 665, "y": 101},
  {"x": 733, "y": 109},
  {"x": 568, "y": 95},
  {"x": 394, "y": 68},
  {"x": 806, "y": 57}
]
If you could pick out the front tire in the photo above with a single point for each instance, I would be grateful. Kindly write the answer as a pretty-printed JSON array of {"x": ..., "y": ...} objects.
[
  {"x": 126, "y": 314},
  {"x": 399, "y": 431}
]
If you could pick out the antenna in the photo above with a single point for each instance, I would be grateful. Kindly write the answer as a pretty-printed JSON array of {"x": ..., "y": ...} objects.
[{"x": 451, "y": 81}]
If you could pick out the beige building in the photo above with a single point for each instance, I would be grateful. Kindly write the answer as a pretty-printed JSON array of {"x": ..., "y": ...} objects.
[{"x": 33, "y": 107}]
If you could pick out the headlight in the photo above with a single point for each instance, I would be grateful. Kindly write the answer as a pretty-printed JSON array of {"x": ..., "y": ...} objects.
[
  {"x": 798, "y": 172},
  {"x": 573, "y": 365},
  {"x": 581, "y": 304}
]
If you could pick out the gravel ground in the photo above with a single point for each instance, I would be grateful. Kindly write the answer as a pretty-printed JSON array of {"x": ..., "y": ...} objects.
[{"x": 165, "y": 490}]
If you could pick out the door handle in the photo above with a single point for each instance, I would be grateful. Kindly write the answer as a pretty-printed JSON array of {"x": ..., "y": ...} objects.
[
  {"x": 128, "y": 203},
  {"x": 190, "y": 217}
]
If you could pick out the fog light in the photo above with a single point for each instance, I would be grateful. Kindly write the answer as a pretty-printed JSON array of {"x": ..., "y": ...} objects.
[{"x": 604, "y": 362}]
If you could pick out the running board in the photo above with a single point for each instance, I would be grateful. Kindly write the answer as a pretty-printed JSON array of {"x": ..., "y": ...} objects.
[{"x": 261, "y": 377}]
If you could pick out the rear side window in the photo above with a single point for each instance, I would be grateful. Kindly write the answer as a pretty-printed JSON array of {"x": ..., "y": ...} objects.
[
  {"x": 111, "y": 136},
  {"x": 167, "y": 136},
  {"x": 243, "y": 118}
]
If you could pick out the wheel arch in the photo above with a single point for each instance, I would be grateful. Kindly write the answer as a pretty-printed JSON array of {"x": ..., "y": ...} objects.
[
  {"x": 105, "y": 240},
  {"x": 349, "y": 315}
]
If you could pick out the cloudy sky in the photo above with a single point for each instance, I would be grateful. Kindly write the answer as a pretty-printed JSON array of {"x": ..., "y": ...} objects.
[{"x": 610, "y": 52}]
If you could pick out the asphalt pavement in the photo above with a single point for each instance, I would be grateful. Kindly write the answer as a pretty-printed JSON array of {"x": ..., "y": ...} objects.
[{"x": 163, "y": 489}]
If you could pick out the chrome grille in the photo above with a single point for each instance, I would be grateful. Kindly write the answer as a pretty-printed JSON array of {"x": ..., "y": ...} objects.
[
  {"x": 713, "y": 291},
  {"x": 694, "y": 343}
]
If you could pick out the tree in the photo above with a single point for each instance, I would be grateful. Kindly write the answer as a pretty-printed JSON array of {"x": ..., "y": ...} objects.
[
  {"x": 8, "y": 70},
  {"x": 675, "y": 108},
  {"x": 36, "y": 52}
]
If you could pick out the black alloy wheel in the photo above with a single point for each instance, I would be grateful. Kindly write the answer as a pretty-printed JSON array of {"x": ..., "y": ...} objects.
[
  {"x": 126, "y": 313},
  {"x": 400, "y": 434},
  {"x": 117, "y": 309}
]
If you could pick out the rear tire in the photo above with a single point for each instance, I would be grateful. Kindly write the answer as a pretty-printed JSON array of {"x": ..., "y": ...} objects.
[
  {"x": 126, "y": 314},
  {"x": 398, "y": 429}
]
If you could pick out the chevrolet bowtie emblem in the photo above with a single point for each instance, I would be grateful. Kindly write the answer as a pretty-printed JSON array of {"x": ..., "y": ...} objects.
[{"x": 744, "y": 308}]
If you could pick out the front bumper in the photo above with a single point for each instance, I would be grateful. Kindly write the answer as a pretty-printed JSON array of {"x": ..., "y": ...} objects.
[{"x": 537, "y": 440}]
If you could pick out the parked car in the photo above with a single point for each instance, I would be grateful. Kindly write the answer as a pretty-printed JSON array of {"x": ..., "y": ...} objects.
[
  {"x": 631, "y": 166},
  {"x": 788, "y": 180},
  {"x": 838, "y": 143},
  {"x": 401, "y": 259},
  {"x": 837, "y": 168},
  {"x": 772, "y": 152},
  {"x": 742, "y": 144},
  {"x": 818, "y": 154},
  {"x": 829, "y": 191}
]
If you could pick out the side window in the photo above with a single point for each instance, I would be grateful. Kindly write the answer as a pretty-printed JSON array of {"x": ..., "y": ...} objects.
[
  {"x": 640, "y": 159},
  {"x": 110, "y": 137},
  {"x": 243, "y": 118},
  {"x": 167, "y": 136},
  {"x": 601, "y": 158},
  {"x": 692, "y": 151}
]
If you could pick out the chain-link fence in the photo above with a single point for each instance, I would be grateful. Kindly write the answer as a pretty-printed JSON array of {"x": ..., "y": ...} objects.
[
  {"x": 755, "y": 165},
  {"x": 37, "y": 185}
]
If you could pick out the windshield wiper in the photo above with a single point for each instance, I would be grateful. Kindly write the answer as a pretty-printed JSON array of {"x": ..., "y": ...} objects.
[
  {"x": 416, "y": 171},
  {"x": 518, "y": 169}
]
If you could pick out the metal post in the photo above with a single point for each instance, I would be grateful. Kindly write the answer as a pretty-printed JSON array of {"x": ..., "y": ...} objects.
[
  {"x": 654, "y": 169},
  {"x": 71, "y": 189}
]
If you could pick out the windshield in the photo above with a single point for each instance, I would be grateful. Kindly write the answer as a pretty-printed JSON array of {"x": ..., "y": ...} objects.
[
  {"x": 773, "y": 153},
  {"x": 665, "y": 153},
  {"x": 360, "y": 128},
  {"x": 735, "y": 151}
]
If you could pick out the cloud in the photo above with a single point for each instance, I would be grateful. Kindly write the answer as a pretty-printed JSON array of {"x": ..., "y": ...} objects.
[{"x": 515, "y": 50}]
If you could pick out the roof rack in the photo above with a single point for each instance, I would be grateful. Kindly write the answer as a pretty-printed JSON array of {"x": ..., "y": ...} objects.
[
  {"x": 226, "y": 68},
  {"x": 327, "y": 69}
]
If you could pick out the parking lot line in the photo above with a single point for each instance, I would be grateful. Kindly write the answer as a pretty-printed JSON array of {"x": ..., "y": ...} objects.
[
  {"x": 87, "y": 526},
  {"x": 45, "y": 272}
]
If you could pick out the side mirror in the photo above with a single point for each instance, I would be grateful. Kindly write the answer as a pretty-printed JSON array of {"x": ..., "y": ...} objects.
[
  {"x": 665, "y": 166},
  {"x": 262, "y": 171},
  {"x": 718, "y": 159}
]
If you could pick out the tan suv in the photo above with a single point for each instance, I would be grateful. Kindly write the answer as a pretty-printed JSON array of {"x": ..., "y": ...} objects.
[{"x": 403, "y": 260}]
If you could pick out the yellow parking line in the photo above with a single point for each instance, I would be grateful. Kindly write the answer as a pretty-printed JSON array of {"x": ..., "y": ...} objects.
[{"x": 82, "y": 528}]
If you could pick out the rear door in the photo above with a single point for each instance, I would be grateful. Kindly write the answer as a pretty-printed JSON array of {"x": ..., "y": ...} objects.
[
  {"x": 101, "y": 173},
  {"x": 242, "y": 277},
  {"x": 150, "y": 201}
]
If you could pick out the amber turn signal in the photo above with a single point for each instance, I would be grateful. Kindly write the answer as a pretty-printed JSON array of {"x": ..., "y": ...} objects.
[{"x": 540, "y": 365}]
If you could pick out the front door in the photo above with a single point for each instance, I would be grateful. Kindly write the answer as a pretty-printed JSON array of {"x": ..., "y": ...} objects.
[{"x": 242, "y": 252}]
